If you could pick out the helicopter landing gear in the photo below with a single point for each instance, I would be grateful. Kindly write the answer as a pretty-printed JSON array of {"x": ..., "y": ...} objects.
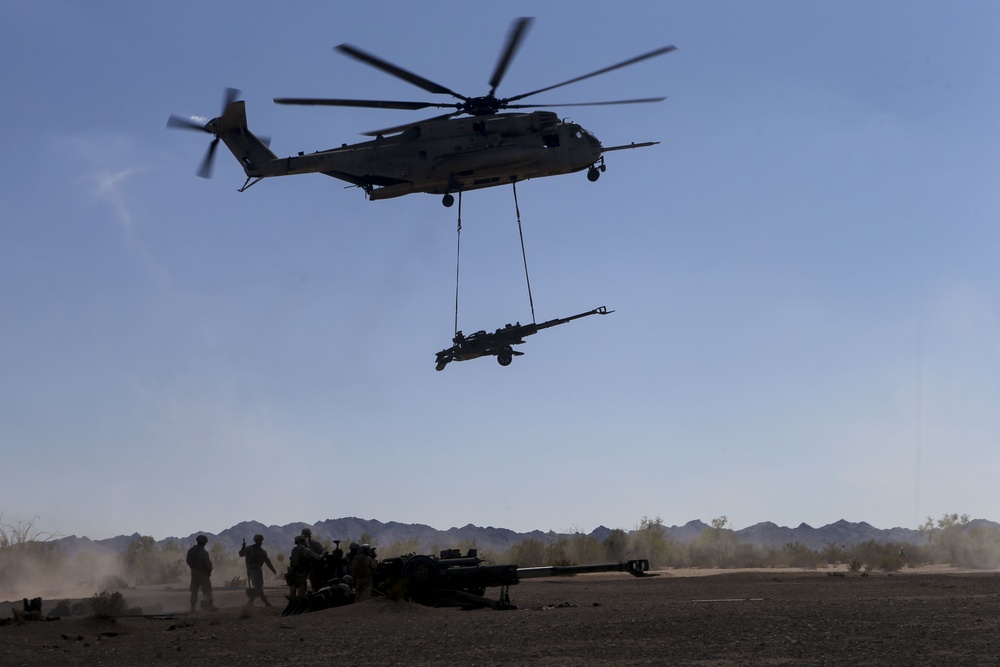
[
  {"x": 505, "y": 356},
  {"x": 596, "y": 170},
  {"x": 448, "y": 200}
]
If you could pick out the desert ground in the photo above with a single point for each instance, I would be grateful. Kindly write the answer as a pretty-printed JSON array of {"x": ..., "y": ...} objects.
[{"x": 928, "y": 616}]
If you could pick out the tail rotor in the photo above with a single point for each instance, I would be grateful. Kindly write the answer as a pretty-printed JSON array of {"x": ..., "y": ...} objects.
[{"x": 211, "y": 127}]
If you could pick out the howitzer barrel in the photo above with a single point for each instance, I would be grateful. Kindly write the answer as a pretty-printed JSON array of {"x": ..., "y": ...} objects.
[
  {"x": 636, "y": 567},
  {"x": 563, "y": 320}
]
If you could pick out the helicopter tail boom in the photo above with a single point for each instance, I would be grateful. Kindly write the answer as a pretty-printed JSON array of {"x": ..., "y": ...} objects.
[{"x": 252, "y": 153}]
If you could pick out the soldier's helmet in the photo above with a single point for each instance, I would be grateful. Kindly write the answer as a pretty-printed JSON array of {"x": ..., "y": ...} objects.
[
  {"x": 300, "y": 539},
  {"x": 201, "y": 539},
  {"x": 258, "y": 538},
  {"x": 307, "y": 532},
  {"x": 353, "y": 547}
]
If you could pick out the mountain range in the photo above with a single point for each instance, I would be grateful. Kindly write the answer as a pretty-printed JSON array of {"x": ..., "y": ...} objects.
[{"x": 426, "y": 539}]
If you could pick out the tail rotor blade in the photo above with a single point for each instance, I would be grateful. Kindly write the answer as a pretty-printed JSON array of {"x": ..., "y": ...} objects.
[
  {"x": 230, "y": 96},
  {"x": 182, "y": 123},
  {"x": 205, "y": 171}
]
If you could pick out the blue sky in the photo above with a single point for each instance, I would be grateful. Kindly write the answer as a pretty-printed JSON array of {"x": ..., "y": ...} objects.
[{"x": 804, "y": 272}]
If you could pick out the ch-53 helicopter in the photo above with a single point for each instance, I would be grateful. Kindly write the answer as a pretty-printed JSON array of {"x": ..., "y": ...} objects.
[{"x": 475, "y": 146}]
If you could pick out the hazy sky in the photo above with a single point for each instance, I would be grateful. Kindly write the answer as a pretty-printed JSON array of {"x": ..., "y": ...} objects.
[{"x": 805, "y": 272}]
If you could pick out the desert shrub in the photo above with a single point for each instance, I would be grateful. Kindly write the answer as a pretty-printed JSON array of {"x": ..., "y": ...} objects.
[
  {"x": 529, "y": 552},
  {"x": 716, "y": 546},
  {"x": 24, "y": 551},
  {"x": 887, "y": 556},
  {"x": 172, "y": 566},
  {"x": 141, "y": 559},
  {"x": 952, "y": 539},
  {"x": 615, "y": 545},
  {"x": 582, "y": 549},
  {"x": 144, "y": 562},
  {"x": 235, "y": 582},
  {"x": 799, "y": 555},
  {"x": 107, "y": 605},
  {"x": 364, "y": 538},
  {"x": 556, "y": 552},
  {"x": 751, "y": 555},
  {"x": 21, "y": 533},
  {"x": 401, "y": 548},
  {"x": 854, "y": 566},
  {"x": 891, "y": 564},
  {"x": 832, "y": 553},
  {"x": 649, "y": 541}
]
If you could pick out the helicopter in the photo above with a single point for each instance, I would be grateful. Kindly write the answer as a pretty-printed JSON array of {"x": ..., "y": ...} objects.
[{"x": 473, "y": 146}]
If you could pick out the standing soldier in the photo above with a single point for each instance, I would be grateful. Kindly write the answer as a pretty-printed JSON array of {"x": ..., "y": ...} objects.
[
  {"x": 316, "y": 568},
  {"x": 363, "y": 570},
  {"x": 299, "y": 565},
  {"x": 352, "y": 553},
  {"x": 201, "y": 574},
  {"x": 256, "y": 559}
]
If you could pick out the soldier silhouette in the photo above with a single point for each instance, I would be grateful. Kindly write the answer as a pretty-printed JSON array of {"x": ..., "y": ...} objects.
[{"x": 256, "y": 558}]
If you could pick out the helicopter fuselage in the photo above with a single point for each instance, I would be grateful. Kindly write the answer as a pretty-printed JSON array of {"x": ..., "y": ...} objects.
[{"x": 446, "y": 156}]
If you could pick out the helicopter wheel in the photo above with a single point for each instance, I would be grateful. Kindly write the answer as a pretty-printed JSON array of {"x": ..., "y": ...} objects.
[
  {"x": 593, "y": 174},
  {"x": 505, "y": 357},
  {"x": 448, "y": 200}
]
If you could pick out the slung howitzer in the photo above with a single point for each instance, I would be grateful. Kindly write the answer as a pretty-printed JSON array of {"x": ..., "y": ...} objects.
[{"x": 500, "y": 342}]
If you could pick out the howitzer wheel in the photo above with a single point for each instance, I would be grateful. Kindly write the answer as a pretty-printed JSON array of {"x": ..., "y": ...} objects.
[
  {"x": 420, "y": 573},
  {"x": 505, "y": 356}
]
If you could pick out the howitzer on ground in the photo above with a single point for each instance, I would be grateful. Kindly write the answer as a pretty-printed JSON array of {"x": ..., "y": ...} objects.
[
  {"x": 453, "y": 580},
  {"x": 500, "y": 342}
]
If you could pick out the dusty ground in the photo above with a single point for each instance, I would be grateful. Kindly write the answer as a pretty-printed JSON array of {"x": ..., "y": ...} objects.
[{"x": 761, "y": 617}]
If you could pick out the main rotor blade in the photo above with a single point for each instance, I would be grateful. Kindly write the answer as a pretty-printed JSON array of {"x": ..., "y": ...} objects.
[
  {"x": 401, "y": 128},
  {"x": 625, "y": 63},
  {"x": 186, "y": 124},
  {"x": 205, "y": 170},
  {"x": 514, "y": 37},
  {"x": 399, "y": 72},
  {"x": 369, "y": 104},
  {"x": 642, "y": 100}
]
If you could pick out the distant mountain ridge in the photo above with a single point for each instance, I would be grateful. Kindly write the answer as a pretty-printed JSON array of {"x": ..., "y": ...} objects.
[{"x": 498, "y": 540}]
